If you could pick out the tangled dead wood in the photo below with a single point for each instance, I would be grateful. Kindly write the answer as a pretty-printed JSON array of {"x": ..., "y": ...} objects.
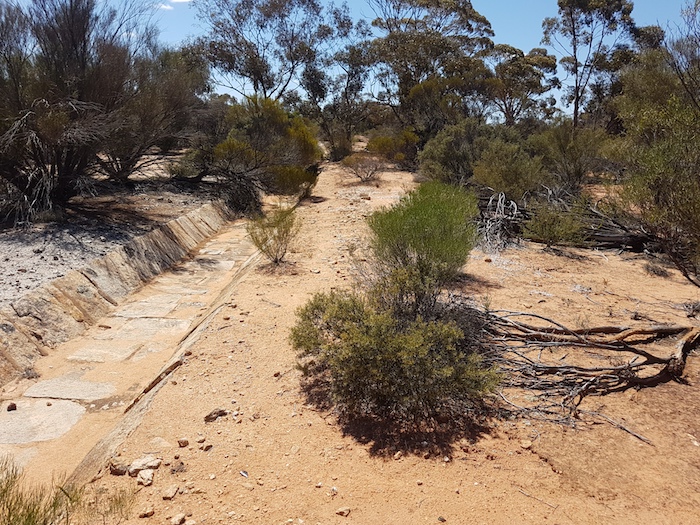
[{"x": 562, "y": 366}]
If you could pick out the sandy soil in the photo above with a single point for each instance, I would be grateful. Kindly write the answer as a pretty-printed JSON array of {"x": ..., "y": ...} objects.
[{"x": 274, "y": 459}]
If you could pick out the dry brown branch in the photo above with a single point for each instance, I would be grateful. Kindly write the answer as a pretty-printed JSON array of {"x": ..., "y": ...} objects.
[{"x": 563, "y": 366}]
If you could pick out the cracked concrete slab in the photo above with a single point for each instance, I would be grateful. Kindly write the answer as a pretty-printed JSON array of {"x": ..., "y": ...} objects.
[
  {"x": 104, "y": 350},
  {"x": 146, "y": 328},
  {"x": 155, "y": 306},
  {"x": 36, "y": 420},
  {"x": 70, "y": 387}
]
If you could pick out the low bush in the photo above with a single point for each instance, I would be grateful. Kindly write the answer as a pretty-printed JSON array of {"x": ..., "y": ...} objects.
[
  {"x": 508, "y": 168},
  {"x": 378, "y": 367},
  {"x": 400, "y": 147},
  {"x": 294, "y": 180},
  {"x": 273, "y": 233},
  {"x": 568, "y": 154},
  {"x": 556, "y": 224},
  {"x": 392, "y": 352},
  {"x": 364, "y": 166}
]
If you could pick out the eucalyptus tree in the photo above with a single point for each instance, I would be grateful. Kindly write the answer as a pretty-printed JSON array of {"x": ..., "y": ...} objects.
[
  {"x": 519, "y": 82},
  {"x": 429, "y": 54},
  {"x": 261, "y": 47},
  {"x": 334, "y": 87},
  {"x": 584, "y": 33}
]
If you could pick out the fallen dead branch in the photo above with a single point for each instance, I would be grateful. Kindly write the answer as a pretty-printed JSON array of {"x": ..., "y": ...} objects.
[{"x": 561, "y": 366}]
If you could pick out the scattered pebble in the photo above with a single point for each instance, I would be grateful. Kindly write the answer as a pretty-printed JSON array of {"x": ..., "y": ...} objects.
[
  {"x": 170, "y": 492},
  {"x": 145, "y": 477},
  {"x": 183, "y": 442},
  {"x": 178, "y": 519},
  {"x": 146, "y": 462},
  {"x": 215, "y": 414},
  {"x": 118, "y": 469},
  {"x": 343, "y": 511}
]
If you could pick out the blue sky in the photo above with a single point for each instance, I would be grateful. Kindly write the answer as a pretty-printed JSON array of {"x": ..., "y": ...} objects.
[{"x": 516, "y": 22}]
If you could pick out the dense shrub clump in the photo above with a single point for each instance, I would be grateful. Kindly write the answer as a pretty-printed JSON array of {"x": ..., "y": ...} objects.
[
  {"x": 391, "y": 352},
  {"x": 380, "y": 367}
]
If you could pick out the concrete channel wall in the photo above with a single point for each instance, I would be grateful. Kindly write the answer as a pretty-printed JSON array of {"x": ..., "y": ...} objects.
[{"x": 64, "y": 308}]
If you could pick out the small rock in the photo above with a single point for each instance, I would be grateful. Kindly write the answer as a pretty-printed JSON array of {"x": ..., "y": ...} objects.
[
  {"x": 201, "y": 439},
  {"x": 146, "y": 462},
  {"x": 206, "y": 447},
  {"x": 178, "y": 519},
  {"x": 118, "y": 469},
  {"x": 145, "y": 477},
  {"x": 11, "y": 407},
  {"x": 178, "y": 467},
  {"x": 276, "y": 374},
  {"x": 170, "y": 492},
  {"x": 215, "y": 414},
  {"x": 343, "y": 511},
  {"x": 398, "y": 455},
  {"x": 183, "y": 442},
  {"x": 248, "y": 486},
  {"x": 147, "y": 512},
  {"x": 441, "y": 519},
  {"x": 419, "y": 482},
  {"x": 526, "y": 444}
]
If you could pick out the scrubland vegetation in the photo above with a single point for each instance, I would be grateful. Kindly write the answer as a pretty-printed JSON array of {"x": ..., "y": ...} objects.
[{"x": 88, "y": 98}]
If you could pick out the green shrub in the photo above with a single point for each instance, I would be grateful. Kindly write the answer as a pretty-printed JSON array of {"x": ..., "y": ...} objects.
[
  {"x": 568, "y": 154},
  {"x": 364, "y": 166},
  {"x": 294, "y": 180},
  {"x": 377, "y": 367},
  {"x": 420, "y": 244},
  {"x": 508, "y": 168},
  {"x": 449, "y": 156},
  {"x": 554, "y": 224},
  {"x": 267, "y": 149},
  {"x": 273, "y": 233},
  {"x": 396, "y": 147}
]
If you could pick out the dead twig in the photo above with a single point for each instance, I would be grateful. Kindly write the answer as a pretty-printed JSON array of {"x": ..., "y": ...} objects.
[{"x": 538, "y": 499}]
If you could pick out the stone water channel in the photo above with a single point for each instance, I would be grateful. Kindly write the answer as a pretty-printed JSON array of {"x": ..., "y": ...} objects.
[{"x": 90, "y": 389}]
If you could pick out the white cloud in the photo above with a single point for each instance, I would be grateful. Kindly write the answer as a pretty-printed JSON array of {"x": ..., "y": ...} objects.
[
  {"x": 166, "y": 7},
  {"x": 179, "y": 1}
]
